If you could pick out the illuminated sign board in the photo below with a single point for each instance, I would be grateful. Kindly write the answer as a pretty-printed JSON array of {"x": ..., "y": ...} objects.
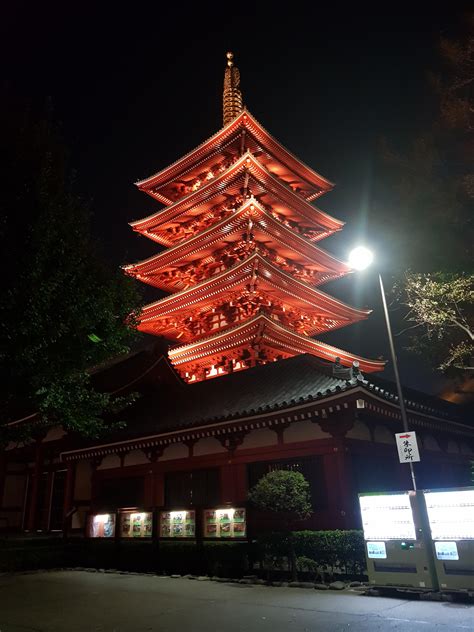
[
  {"x": 136, "y": 524},
  {"x": 225, "y": 523},
  {"x": 387, "y": 517},
  {"x": 178, "y": 524},
  {"x": 101, "y": 526},
  {"x": 451, "y": 514}
]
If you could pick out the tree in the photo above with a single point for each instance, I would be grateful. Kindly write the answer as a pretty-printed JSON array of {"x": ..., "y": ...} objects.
[
  {"x": 425, "y": 209},
  {"x": 441, "y": 311},
  {"x": 284, "y": 492},
  {"x": 63, "y": 311}
]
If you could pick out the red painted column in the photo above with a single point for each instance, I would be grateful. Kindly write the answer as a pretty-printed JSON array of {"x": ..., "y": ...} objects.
[
  {"x": 69, "y": 494},
  {"x": 35, "y": 481},
  {"x": 159, "y": 489},
  {"x": 3, "y": 474},
  {"x": 233, "y": 483},
  {"x": 47, "y": 502}
]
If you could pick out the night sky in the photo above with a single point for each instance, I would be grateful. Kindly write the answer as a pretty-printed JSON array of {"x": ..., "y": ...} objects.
[{"x": 135, "y": 88}]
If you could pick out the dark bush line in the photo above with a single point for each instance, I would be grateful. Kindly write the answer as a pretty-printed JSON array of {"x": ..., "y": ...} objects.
[{"x": 319, "y": 553}]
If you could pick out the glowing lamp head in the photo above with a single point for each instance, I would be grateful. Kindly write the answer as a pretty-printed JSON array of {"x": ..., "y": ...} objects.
[{"x": 360, "y": 258}]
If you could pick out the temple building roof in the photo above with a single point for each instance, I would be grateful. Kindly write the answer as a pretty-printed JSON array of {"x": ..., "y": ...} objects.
[
  {"x": 279, "y": 390},
  {"x": 266, "y": 230},
  {"x": 246, "y": 171},
  {"x": 279, "y": 160}
]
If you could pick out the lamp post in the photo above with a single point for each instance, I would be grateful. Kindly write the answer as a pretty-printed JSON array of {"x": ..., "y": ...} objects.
[{"x": 359, "y": 259}]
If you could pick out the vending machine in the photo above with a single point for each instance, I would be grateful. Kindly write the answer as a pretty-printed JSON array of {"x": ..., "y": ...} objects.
[
  {"x": 397, "y": 544},
  {"x": 451, "y": 519}
]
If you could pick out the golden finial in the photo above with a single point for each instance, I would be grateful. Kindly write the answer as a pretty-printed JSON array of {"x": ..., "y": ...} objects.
[{"x": 232, "y": 98}]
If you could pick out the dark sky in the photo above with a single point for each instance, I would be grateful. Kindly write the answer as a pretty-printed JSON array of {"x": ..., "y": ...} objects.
[{"x": 136, "y": 87}]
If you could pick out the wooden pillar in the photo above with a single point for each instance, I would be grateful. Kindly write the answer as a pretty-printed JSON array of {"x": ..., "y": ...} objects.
[
  {"x": 154, "y": 493},
  {"x": 3, "y": 474},
  {"x": 35, "y": 482},
  {"x": 159, "y": 489},
  {"x": 69, "y": 493},
  {"x": 47, "y": 502},
  {"x": 338, "y": 471},
  {"x": 233, "y": 483}
]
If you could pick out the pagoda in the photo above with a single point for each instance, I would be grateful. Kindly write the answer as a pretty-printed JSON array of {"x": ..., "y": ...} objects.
[{"x": 241, "y": 264}]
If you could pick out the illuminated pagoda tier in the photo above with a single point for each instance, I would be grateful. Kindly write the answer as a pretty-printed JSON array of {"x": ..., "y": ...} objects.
[{"x": 242, "y": 263}]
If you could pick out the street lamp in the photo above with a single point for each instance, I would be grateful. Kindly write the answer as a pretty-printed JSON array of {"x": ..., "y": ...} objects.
[{"x": 360, "y": 258}]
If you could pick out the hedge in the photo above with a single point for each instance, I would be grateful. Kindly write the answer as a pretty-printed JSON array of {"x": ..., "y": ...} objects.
[
  {"x": 332, "y": 551},
  {"x": 327, "y": 551}
]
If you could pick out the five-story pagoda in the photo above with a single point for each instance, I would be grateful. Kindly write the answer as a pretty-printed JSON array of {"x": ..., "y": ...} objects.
[{"x": 241, "y": 265}]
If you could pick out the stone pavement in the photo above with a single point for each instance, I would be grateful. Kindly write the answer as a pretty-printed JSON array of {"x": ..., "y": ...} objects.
[{"x": 74, "y": 601}]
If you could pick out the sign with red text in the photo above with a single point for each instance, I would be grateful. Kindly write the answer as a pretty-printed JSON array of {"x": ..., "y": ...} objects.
[{"x": 407, "y": 447}]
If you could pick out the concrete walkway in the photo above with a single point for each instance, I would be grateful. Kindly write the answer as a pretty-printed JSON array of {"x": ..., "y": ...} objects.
[{"x": 81, "y": 601}]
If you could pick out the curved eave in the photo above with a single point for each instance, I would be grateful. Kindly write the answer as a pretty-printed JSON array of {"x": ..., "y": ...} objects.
[
  {"x": 240, "y": 273},
  {"x": 275, "y": 335},
  {"x": 243, "y": 120},
  {"x": 246, "y": 162},
  {"x": 218, "y": 231}
]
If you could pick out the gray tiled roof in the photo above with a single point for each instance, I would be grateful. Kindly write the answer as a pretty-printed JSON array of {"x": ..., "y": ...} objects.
[{"x": 274, "y": 386}]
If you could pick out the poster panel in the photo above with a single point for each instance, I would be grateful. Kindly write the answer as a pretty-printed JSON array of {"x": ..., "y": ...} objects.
[
  {"x": 178, "y": 524},
  {"x": 101, "y": 526},
  {"x": 225, "y": 523},
  {"x": 136, "y": 524}
]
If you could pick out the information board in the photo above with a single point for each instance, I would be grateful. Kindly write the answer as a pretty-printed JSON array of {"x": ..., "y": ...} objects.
[
  {"x": 101, "y": 526},
  {"x": 178, "y": 524},
  {"x": 136, "y": 524},
  {"x": 451, "y": 514},
  {"x": 387, "y": 517},
  {"x": 225, "y": 523}
]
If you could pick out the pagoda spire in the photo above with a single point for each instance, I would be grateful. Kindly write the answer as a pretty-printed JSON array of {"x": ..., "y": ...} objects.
[{"x": 232, "y": 97}]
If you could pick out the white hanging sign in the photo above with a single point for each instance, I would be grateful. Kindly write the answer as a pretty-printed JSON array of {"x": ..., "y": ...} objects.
[{"x": 407, "y": 447}]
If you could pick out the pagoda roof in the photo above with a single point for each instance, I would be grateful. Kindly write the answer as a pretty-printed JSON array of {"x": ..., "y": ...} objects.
[
  {"x": 220, "y": 232},
  {"x": 216, "y": 190},
  {"x": 316, "y": 183},
  {"x": 272, "y": 334},
  {"x": 277, "y": 280}
]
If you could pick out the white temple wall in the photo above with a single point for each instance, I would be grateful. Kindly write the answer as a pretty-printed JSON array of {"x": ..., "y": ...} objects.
[
  {"x": 175, "y": 451},
  {"x": 259, "y": 439},
  {"x": 137, "y": 457},
  {"x": 359, "y": 431},
  {"x": 304, "y": 431},
  {"x": 209, "y": 445}
]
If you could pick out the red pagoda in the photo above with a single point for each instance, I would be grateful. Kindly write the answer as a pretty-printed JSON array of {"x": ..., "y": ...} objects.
[{"x": 242, "y": 266}]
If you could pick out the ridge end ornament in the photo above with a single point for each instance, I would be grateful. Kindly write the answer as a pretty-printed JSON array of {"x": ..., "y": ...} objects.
[{"x": 232, "y": 95}]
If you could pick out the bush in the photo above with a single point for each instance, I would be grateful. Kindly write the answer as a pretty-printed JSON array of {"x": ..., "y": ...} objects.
[{"x": 331, "y": 551}]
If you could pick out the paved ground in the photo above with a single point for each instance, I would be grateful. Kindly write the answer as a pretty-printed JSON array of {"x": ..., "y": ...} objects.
[{"x": 81, "y": 601}]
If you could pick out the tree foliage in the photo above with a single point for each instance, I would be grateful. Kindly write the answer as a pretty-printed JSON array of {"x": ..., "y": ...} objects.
[
  {"x": 441, "y": 311},
  {"x": 63, "y": 310},
  {"x": 426, "y": 208},
  {"x": 282, "y": 491}
]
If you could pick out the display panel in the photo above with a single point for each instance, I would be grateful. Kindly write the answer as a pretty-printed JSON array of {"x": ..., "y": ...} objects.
[
  {"x": 446, "y": 551},
  {"x": 178, "y": 524},
  {"x": 136, "y": 524},
  {"x": 451, "y": 514},
  {"x": 387, "y": 517},
  {"x": 376, "y": 550},
  {"x": 101, "y": 526},
  {"x": 225, "y": 523}
]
